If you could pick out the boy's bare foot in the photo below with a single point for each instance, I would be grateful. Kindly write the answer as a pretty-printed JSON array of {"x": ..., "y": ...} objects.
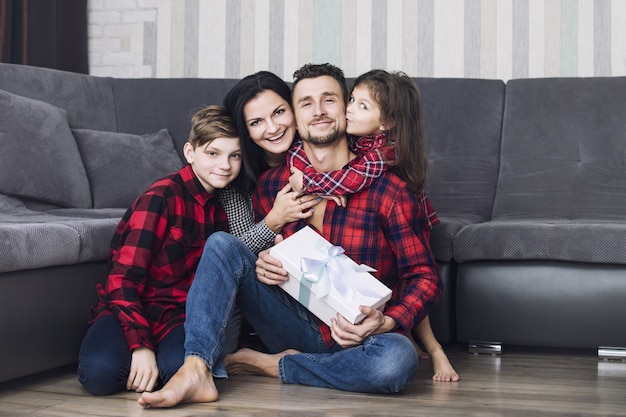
[
  {"x": 444, "y": 372},
  {"x": 192, "y": 383},
  {"x": 250, "y": 362}
]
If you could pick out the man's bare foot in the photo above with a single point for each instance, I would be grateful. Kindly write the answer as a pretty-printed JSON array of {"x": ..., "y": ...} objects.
[
  {"x": 192, "y": 383},
  {"x": 444, "y": 372},
  {"x": 250, "y": 362}
]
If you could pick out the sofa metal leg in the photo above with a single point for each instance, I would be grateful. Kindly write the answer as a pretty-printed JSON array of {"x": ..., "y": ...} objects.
[
  {"x": 612, "y": 353},
  {"x": 485, "y": 348}
]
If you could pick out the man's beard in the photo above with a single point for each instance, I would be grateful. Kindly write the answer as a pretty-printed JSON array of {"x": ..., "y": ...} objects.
[{"x": 328, "y": 139}]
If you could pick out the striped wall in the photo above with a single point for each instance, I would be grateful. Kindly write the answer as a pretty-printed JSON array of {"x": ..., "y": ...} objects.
[{"x": 501, "y": 39}]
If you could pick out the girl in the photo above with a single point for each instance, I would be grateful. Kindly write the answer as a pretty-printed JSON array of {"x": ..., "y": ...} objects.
[{"x": 384, "y": 117}]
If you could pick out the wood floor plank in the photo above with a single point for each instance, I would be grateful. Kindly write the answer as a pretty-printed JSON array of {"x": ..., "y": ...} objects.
[{"x": 521, "y": 382}]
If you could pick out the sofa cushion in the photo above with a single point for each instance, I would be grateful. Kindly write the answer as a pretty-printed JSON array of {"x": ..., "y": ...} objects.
[
  {"x": 442, "y": 235},
  {"x": 39, "y": 158},
  {"x": 590, "y": 241},
  {"x": 120, "y": 166},
  {"x": 462, "y": 123},
  {"x": 32, "y": 245},
  {"x": 563, "y": 150}
]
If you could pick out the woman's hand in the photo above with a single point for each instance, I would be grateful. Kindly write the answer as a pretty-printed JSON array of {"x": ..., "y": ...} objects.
[
  {"x": 269, "y": 270},
  {"x": 347, "y": 334},
  {"x": 288, "y": 207},
  {"x": 143, "y": 373}
]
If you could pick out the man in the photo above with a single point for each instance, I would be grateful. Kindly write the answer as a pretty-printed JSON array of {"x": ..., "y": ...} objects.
[{"x": 381, "y": 227}]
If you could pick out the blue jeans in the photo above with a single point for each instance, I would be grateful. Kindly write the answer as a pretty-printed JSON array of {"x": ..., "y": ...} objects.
[
  {"x": 226, "y": 276},
  {"x": 104, "y": 358}
]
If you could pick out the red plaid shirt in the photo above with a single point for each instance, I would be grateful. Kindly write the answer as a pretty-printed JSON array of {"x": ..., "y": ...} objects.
[
  {"x": 385, "y": 226},
  {"x": 154, "y": 253},
  {"x": 373, "y": 153}
]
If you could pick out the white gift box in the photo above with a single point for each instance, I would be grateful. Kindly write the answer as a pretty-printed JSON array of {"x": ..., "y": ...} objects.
[{"x": 325, "y": 280}]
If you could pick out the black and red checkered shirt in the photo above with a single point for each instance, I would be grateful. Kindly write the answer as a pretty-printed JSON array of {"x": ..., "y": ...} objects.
[
  {"x": 154, "y": 253},
  {"x": 373, "y": 153}
]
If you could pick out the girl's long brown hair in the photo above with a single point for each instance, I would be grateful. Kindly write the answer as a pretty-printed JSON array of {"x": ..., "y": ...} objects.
[{"x": 398, "y": 96}]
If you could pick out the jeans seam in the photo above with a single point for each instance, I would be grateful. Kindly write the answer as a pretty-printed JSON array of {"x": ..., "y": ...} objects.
[{"x": 281, "y": 371}]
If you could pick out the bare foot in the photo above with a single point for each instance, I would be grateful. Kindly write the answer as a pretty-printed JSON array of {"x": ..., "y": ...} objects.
[
  {"x": 250, "y": 362},
  {"x": 192, "y": 383},
  {"x": 444, "y": 372}
]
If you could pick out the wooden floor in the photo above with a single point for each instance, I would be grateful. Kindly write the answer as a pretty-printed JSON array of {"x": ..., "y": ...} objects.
[{"x": 520, "y": 382}]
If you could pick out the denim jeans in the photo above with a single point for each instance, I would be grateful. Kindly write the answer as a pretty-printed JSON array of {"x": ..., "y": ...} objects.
[
  {"x": 226, "y": 276},
  {"x": 104, "y": 358}
]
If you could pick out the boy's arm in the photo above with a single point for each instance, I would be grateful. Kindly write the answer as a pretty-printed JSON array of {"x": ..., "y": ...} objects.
[{"x": 144, "y": 229}]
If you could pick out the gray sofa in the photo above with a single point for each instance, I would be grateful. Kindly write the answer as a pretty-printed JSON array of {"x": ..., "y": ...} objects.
[
  {"x": 549, "y": 268},
  {"x": 75, "y": 150},
  {"x": 528, "y": 178}
]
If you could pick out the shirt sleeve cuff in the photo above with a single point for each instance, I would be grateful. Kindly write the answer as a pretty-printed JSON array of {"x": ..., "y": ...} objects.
[
  {"x": 399, "y": 315},
  {"x": 264, "y": 231},
  {"x": 137, "y": 339}
]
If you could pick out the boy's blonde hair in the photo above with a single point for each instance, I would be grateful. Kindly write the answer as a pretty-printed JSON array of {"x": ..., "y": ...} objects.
[{"x": 209, "y": 123}]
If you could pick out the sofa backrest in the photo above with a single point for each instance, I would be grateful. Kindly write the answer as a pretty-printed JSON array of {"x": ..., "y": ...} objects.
[
  {"x": 463, "y": 122},
  {"x": 69, "y": 140},
  {"x": 88, "y": 100},
  {"x": 149, "y": 104},
  {"x": 137, "y": 106},
  {"x": 563, "y": 150}
]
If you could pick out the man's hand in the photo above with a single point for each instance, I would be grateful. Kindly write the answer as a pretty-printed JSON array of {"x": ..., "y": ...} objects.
[
  {"x": 347, "y": 334},
  {"x": 269, "y": 270},
  {"x": 143, "y": 373}
]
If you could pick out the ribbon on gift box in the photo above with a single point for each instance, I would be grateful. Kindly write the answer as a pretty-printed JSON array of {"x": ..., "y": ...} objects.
[{"x": 332, "y": 271}]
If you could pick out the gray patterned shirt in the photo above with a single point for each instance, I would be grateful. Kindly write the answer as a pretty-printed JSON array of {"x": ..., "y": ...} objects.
[{"x": 240, "y": 213}]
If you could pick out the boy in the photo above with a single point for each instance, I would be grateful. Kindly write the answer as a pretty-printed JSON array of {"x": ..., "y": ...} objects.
[{"x": 136, "y": 336}]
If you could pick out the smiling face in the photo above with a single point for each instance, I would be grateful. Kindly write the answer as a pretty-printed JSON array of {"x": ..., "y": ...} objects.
[
  {"x": 363, "y": 113},
  {"x": 271, "y": 123},
  {"x": 320, "y": 110},
  {"x": 215, "y": 163}
]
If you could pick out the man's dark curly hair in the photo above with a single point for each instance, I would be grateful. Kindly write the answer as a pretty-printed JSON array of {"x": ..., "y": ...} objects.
[{"x": 318, "y": 70}]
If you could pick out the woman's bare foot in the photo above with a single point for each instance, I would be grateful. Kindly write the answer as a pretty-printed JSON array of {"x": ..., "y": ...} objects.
[
  {"x": 192, "y": 383},
  {"x": 250, "y": 362},
  {"x": 444, "y": 372}
]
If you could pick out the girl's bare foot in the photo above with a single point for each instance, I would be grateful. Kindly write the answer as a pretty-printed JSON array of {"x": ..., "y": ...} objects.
[
  {"x": 191, "y": 383},
  {"x": 250, "y": 362},
  {"x": 423, "y": 355},
  {"x": 444, "y": 372}
]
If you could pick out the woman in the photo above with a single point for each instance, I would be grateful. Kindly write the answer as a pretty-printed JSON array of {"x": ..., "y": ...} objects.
[{"x": 260, "y": 105}]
